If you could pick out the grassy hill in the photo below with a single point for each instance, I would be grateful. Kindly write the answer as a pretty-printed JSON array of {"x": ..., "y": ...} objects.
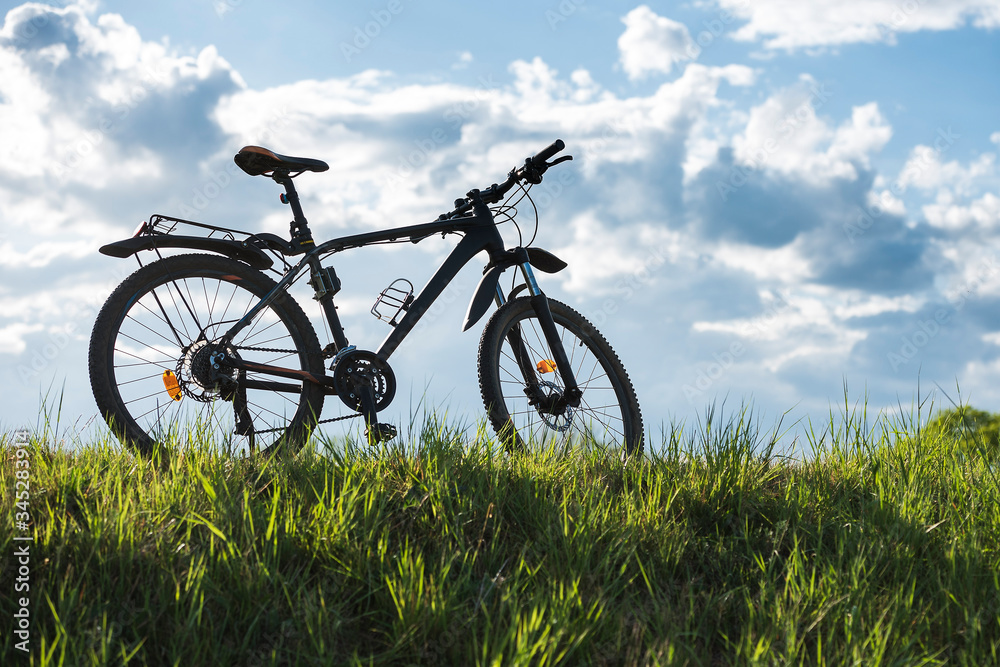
[{"x": 881, "y": 548}]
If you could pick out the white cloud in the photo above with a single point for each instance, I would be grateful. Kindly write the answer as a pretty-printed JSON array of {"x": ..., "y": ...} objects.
[
  {"x": 984, "y": 211},
  {"x": 964, "y": 194},
  {"x": 804, "y": 325},
  {"x": 771, "y": 266},
  {"x": 786, "y": 135},
  {"x": 925, "y": 169},
  {"x": 790, "y": 25},
  {"x": 600, "y": 256},
  {"x": 63, "y": 112},
  {"x": 12, "y": 337},
  {"x": 653, "y": 44}
]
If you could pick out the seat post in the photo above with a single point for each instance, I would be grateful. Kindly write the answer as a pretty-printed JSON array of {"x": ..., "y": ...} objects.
[{"x": 299, "y": 226}]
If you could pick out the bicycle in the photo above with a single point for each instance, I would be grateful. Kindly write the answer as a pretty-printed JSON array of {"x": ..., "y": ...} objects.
[{"x": 209, "y": 338}]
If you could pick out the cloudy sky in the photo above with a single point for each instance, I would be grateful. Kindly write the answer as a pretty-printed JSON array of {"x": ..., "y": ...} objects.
[{"x": 768, "y": 201}]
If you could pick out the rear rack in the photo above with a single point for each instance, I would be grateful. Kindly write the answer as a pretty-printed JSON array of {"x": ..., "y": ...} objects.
[
  {"x": 164, "y": 224},
  {"x": 159, "y": 225}
]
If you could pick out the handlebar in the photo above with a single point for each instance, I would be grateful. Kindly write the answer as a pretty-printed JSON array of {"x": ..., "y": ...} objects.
[
  {"x": 532, "y": 170},
  {"x": 548, "y": 151}
]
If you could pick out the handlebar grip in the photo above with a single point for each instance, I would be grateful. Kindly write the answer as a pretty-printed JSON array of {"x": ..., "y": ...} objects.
[{"x": 549, "y": 151}]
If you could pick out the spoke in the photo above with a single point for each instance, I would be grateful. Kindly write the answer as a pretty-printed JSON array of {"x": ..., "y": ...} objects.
[
  {"x": 286, "y": 418},
  {"x": 155, "y": 408},
  {"x": 147, "y": 377},
  {"x": 135, "y": 356},
  {"x": 262, "y": 343},
  {"x": 166, "y": 317},
  {"x": 153, "y": 313},
  {"x": 518, "y": 380},
  {"x": 142, "y": 398},
  {"x": 139, "y": 342},
  {"x": 180, "y": 315},
  {"x": 194, "y": 315},
  {"x": 144, "y": 363},
  {"x": 151, "y": 330},
  {"x": 607, "y": 427},
  {"x": 225, "y": 311}
]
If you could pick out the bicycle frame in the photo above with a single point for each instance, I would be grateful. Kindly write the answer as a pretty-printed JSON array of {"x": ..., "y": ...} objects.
[{"x": 480, "y": 233}]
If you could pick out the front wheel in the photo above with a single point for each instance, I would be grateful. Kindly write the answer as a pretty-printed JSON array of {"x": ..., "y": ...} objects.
[{"x": 522, "y": 387}]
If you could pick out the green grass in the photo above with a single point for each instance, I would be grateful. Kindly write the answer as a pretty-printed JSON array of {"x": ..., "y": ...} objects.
[{"x": 879, "y": 548}]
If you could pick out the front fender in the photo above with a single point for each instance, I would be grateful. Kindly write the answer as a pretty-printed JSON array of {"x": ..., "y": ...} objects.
[
  {"x": 483, "y": 297},
  {"x": 543, "y": 260},
  {"x": 247, "y": 254}
]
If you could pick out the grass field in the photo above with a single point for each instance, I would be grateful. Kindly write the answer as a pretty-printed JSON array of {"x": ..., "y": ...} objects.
[{"x": 879, "y": 548}]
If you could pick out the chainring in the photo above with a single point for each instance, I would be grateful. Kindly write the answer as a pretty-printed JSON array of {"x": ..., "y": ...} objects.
[{"x": 358, "y": 368}]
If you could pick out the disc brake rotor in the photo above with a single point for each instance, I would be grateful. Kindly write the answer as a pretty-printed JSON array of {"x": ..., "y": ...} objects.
[{"x": 556, "y": 422}]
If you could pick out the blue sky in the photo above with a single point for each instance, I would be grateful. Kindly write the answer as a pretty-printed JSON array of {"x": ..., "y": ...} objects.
[{"x": 769, "y": 201}]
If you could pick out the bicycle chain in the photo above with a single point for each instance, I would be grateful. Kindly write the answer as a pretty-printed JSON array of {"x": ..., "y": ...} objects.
[
  {"x": 323, "y": 421},
  {"x": 265, "y": 349}
]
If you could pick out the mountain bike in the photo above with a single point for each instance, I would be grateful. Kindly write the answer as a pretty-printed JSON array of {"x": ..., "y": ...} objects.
[{"x": 210, "y": 342}]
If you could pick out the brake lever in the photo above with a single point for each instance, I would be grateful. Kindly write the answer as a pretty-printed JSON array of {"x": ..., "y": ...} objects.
[{"x": 533, "y": 170}]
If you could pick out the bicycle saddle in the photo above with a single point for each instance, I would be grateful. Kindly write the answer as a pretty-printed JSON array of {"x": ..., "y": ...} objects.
[{"x": 257, "y": 161}]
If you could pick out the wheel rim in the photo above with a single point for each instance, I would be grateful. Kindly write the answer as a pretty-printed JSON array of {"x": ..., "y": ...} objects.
[
  {"x": 600, "y": 418},
  {"x": 173, "y": 326}
]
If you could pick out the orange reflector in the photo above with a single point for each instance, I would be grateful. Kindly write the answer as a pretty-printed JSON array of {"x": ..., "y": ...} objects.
[
  {"x": 546, "y": 366},
  {"x": 170, "y": 382}
]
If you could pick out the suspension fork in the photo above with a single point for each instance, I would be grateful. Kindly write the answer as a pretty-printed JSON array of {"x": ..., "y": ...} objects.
[{"x": 540, "y": 304}]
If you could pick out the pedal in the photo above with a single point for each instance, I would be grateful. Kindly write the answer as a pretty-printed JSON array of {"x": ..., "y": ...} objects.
[
  {"x": 380, "y": 432},
  {"x": 394, "y": 299}
]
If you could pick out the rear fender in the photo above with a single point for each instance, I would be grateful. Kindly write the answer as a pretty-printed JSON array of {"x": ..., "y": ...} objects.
[{"x": 247, "y": 254}]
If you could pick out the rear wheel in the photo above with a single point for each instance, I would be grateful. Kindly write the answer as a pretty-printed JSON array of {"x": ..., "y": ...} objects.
[
  {"x": 157, "y": 361},
  {"x": 521, "y": 385}
]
